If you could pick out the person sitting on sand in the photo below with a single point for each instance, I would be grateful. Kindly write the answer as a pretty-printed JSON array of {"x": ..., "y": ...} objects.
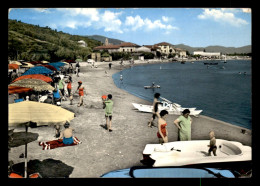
[
  {"x": 67, "y": 134},
  {"x": 212, "y": 144},
  {"x": 155, "y": 109},
  {"x": 162, "y": 133},
  {"x": 108, "y": 111}
]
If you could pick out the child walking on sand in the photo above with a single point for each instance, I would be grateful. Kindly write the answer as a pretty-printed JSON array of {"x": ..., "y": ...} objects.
[{"x": 212, "y": 144}]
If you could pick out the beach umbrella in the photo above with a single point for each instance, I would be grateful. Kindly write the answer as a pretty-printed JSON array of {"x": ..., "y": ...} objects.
[
  {"x": 17, "y": 90},
  {"x": 35, "y": 84},
  {"x": 34, "y": 76},
  {"x": 13, "y": 66},
  {"x": 59, "y": 64},
  {"x": 33, "y": 114},
  {"x": 70, "y": 61},
  {"x": 51, "y": 67},
  {"x": 27, "y": 65},
  {"x": 38, "y": 70},
  {"x": 21, "y": 138},
  {"x": 79, "y": 60},
  {"x": 16, "y": 62}
]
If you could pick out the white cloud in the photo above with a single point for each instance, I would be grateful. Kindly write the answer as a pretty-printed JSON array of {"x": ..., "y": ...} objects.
[
  {"x": 165, "y": 19},
  {"x": 222, "y": 16},
  {"x": 91, "y": 13},
  {"x": 86, "y": 17},
  {"x": 42, "y": 10},
  {"x": 137, "y": 23},
  {"x": 110, "y": 22}
]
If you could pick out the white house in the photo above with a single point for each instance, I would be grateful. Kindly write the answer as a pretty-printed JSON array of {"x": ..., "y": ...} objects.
[
  {"x": 143, "y": 49},
  {"x": 207, "y": 54},
  {"x": 82, "y": 43}
]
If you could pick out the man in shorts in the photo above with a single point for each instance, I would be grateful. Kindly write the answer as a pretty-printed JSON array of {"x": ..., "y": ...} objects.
[{"x": 108, "y": 111}]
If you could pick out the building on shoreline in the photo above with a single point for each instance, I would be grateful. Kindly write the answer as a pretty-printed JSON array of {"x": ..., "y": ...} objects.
[
  {"x": 163, "y": 47},
  {"x": 207, "y": 54}
]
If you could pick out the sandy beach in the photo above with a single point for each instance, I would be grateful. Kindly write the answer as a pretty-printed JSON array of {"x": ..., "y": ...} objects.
[{"x": 102, "y": 151}]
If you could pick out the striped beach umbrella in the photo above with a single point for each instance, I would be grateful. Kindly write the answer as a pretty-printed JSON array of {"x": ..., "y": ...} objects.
[
  {"x": 35, "y": 84},
  {"x": 38, "y": 70},
  {"x": 34, "y": 76}
]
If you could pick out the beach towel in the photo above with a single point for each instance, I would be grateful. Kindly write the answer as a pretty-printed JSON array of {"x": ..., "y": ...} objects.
[{"x": 58, "y": 143}]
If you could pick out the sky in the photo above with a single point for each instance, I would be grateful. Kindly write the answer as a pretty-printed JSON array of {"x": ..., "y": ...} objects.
[{"x": 196, "y": 27}]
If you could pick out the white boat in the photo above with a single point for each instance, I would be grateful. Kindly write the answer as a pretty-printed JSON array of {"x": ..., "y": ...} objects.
[
  {"x": 154, "y": 86},
  {"x": 181, "y": 153},
  {"x": 172, "y": 108}
]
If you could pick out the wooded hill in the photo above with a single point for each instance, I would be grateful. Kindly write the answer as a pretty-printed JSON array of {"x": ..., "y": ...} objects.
[{"x": 34, "y": 43}]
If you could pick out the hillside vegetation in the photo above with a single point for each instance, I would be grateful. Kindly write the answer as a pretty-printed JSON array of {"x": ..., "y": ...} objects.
[{"x": 32, "y": 43}]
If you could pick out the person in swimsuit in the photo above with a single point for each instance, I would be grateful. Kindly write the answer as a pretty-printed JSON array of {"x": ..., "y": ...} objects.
[
  {"x": 162, "y": 133},
  {"x": 67, "y": 134},
  {"x": 81, "y": 93},
  {"x": 69, "y": 87},
  {"x": 155, "y": 109}
]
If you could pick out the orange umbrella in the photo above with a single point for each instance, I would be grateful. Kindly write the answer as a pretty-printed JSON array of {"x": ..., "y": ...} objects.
[
  {"x": 34, "y": 76},
  {"x": 17, "y": 90},
  {"x": 13, "y": 66}
]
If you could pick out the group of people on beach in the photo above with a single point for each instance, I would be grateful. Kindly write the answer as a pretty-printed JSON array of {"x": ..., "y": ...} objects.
[{"x": 183, "y": 123}]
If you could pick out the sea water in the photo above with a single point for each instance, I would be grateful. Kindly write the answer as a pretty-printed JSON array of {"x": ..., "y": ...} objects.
[{"x": 222, "y": 91}]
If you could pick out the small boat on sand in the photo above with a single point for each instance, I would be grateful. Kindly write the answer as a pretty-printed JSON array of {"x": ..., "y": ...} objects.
[
  {"x": 172, "y": 108},
  {"x": 181, "y": 153}
]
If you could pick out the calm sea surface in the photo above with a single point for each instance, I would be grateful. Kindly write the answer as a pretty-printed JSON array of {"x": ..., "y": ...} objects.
[{"x": 222, "y": 91}]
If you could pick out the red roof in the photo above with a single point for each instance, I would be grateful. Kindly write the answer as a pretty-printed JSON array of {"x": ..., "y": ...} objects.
[
  {"x": 163, "y": 44},
  {"x": 152, "y": 46},
  {"x": 128, "y": 44}
]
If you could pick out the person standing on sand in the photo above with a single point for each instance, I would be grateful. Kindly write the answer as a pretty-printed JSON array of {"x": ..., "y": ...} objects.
[
  {"x": 183, "y": 123},
  {"x": 61, "y": 87},
  {"x": 162, "y": 133},
  {"x": 155, "y": 109},
  {"x": 80, "y": 89},
  {"x": 69, "y": 88},
  {"x": 77, "y": 68},
  {"x": 108, "y": 111}
]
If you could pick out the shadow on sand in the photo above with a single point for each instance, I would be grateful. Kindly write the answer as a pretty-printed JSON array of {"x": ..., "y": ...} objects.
[{"x": 48, "y": 168}]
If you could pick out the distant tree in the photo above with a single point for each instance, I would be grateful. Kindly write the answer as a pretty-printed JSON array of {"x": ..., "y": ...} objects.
[{"x": 158, "y": 54}]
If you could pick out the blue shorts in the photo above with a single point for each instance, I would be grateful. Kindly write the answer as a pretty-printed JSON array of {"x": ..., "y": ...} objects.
[{"x": 68, "y": 141}]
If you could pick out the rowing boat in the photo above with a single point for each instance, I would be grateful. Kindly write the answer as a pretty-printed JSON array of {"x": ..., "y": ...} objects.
[{"x": 180, "y": 153}]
